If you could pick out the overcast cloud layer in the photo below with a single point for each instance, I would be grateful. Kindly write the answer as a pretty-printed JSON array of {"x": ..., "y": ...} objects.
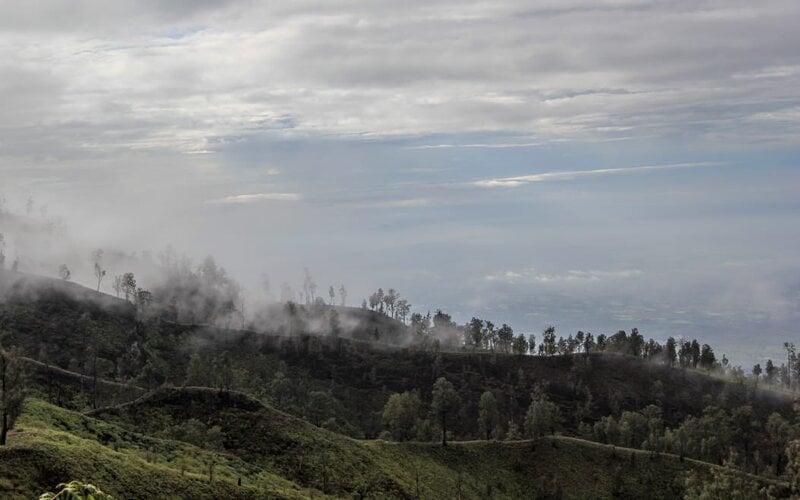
[{"x": 595, "y": 165}]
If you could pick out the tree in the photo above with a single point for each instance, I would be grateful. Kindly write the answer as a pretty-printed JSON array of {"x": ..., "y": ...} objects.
[
  {"x": 442, "y": 320},
  {"x": 489, "y": 335},
  {"x": 379, "y": 296},
  {"x": 793, "y": 456},
  {"x": 778, "y": 431},
  {"x": 707, "y": 358},
  {"x": 2, "y": 251},
  {"x": 129, "y": 286},
  {"x": 487, "y": 414},
  {"x": 633, "y": 429},
  {"x": 790, "y": 357},
  {"x": 672, "y": 353},
  {"x": 542, "y": 417},
  {"x": 321, "y": 406},
  {"x": 636, "y": 341},
  {"x": 579, "y": 338},
  {"x": 520, "y": 345},
  {"x": 726, "y": 482},
  {"x": 695, "y": 353},
  {"x": 12, "y": 392},
  {"x": 63, "y": 272},
  {"x": 756, "y": 372},
  {"x": 97, "y": 260},
  {"x": 445, "y": 401},
  {"x": 684, "y": 353},
  {"x": 117, "y": 285},
  {"x": 403, "y": 308},
  {"x": 374, "y": 300},
  {"x": 331, "y": 294},
  {"x": 548, "y": 345},
  {"x": 769, "y": 372},
  {"x": 400, "y": 414},
  {"x": 389, "y": 300},
  {"x": 309, "y": 287},
  {"x": 505, "y": 336},
  {"x": 420, "y": 324},
  {"x": 476, "y": 330},
  {"x": 342, "y": 296},
  {"x": 143, "y": 299},
  {"x": 513, "y": 432},
  {"x": 744, "y": 427}
]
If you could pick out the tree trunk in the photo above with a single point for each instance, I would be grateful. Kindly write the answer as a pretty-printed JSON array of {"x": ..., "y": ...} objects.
[
  {"x": 444, "y": 429},
  {"x": 4, "y": 430},
  {"x": 3, "y": 368}
]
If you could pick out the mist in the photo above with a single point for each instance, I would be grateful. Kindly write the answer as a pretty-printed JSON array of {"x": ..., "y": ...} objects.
[{"x": 590, "y": 189}]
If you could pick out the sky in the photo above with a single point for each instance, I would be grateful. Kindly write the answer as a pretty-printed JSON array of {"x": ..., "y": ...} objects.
[{"x": 594, "y": 165}]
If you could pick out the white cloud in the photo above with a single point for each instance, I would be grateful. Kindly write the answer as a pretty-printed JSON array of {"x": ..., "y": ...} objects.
[
  {"x": 789, "y": 115},
  {"x": 578, "y": 174},
  {"x": 504, "y": 276},
  {"x": 395, "y": 203},
  {"x": 197, "y": 76},
  {"x": 487, "y": 145},
  {"x": 256, "y": 198}
]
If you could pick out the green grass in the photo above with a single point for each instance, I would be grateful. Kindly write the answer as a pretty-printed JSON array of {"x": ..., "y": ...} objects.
[
  {"x": 279, "y": 456},
  {"x": 52, "y": 445},
  {"x": 313, "y": 457}
]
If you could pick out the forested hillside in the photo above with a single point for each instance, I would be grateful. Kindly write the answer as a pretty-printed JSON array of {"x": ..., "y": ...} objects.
[{"x": 274, "y": 407}]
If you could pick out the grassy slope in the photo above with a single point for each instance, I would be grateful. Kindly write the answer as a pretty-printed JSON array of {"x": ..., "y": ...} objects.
[
  {"x": 313, "y": 457},
  {"x": 52, "y": 445},
  {"x": 279, "y": 456}
]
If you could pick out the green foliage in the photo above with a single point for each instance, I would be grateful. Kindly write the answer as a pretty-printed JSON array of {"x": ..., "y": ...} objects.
[
  {"x": 725, "y": 483},
  {"x": 513, "y": 433},
  {"x": 542, "y": 418},
  {"x": 400, "y": 415},
  {"x": 793, "y": 454},
  {"x": 444, "y": 402},
  {"x": 321, "y": 407},
  {"x": 487, "y": 414},
  {"x": 278, "y": 456},
  {"x": 76, "y": 490},
  {"x": 12, "y": 392},
  {"x": 56, "y": 444},
  {"x": 197, "y": 433}
]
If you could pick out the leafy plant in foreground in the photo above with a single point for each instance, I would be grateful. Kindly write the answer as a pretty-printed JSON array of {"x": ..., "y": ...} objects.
[{"x": 76, "y": 490}]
